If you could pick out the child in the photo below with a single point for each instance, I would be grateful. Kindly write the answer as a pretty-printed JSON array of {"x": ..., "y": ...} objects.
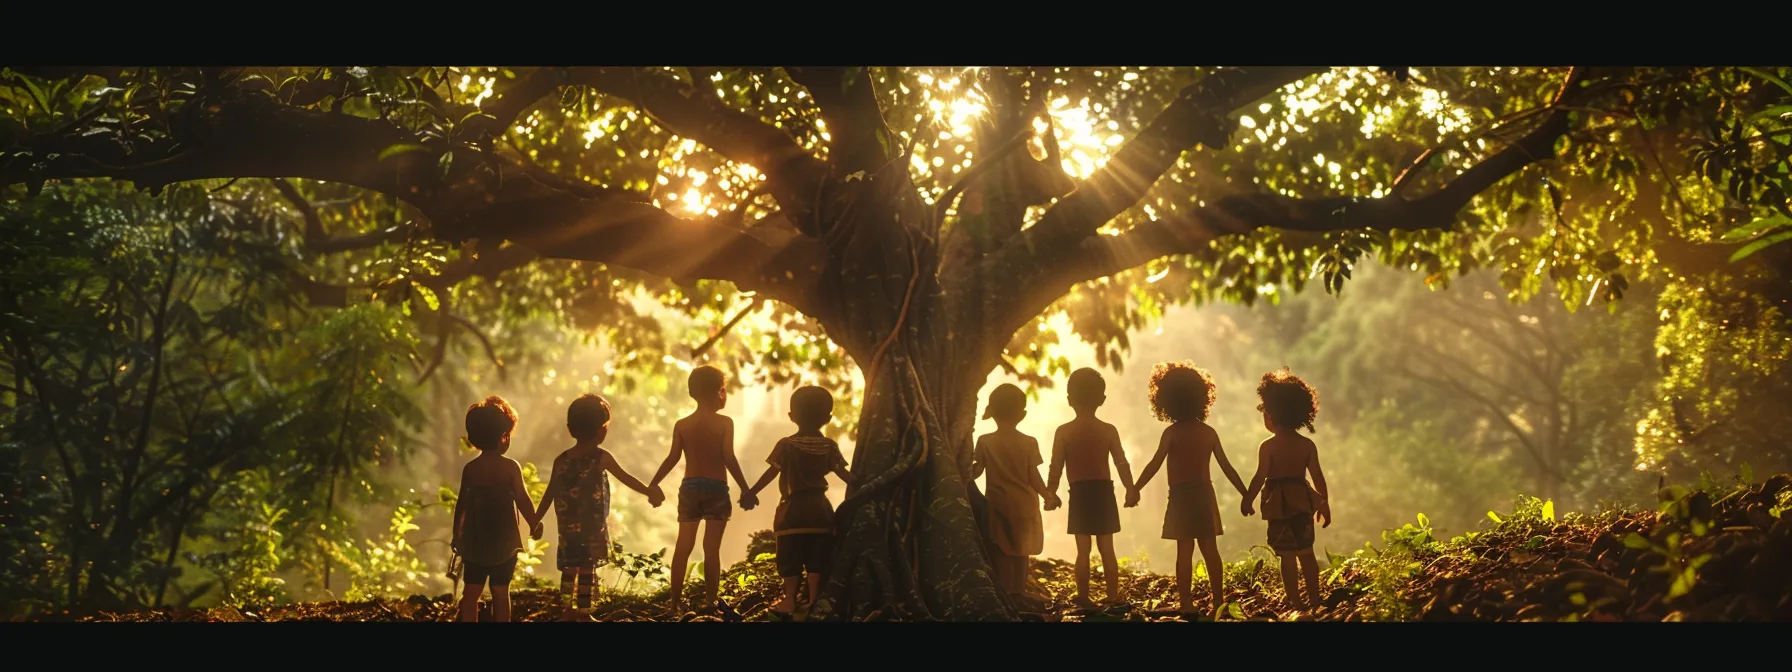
[
  {"x": 580, "y": 492},
  {"x": 1283, "y": 462},
  {"x": 706, "y": 439},
  {"x": 804, "y": 523},
  {"x": 1182, "y": 395},
  {"x": 1082, "y": 448},
  {"x": 485, "y": 531},
  {"x": 1014, "y": 485}
]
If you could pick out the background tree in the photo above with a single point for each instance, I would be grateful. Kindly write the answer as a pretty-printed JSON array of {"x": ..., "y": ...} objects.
[{"x": 887, "y": 217}]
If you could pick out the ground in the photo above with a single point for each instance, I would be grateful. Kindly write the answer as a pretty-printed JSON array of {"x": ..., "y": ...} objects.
[{"x": 1715, "y": 554}]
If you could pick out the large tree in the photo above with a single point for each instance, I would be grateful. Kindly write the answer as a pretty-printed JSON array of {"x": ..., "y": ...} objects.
[{"x": 897, "y": 210}]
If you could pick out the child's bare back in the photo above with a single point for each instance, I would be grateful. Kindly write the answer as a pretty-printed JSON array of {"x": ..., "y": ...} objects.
[{"x": 704, "y": 438}]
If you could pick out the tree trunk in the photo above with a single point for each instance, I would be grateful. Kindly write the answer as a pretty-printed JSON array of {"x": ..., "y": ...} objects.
[{"x": 910, "y": 547}]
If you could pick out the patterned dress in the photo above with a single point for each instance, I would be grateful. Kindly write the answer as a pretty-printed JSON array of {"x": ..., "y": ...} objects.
[{"x": 581, "y": 492}]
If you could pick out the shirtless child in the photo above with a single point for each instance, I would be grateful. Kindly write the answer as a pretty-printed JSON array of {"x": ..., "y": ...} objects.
[
  {"x": 705, "y": 439},
  {"x": 1182, "y": 395},
  {"x": 1012, "y": 460},
  {"x": 1283, "y": 462},
  {"x": 1082, "y": 447}
]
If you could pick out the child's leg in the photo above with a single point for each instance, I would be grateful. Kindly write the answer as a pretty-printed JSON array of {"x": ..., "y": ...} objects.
[
  {"x": 814, "y": 579},
  {"x": 1291, "y": 580},
  {"x": 501, "y": 603},
  {"x": 568, "y": 578},
  {"x": 469, "y": 602},
  {"x": 1017, "y": 574},
  {"x": 1185, "y": 572},
  {"x": 1110, "y": 566},
  {"x": 712, "y": 558},
  {"x": 1309, "y": 567},
  {"x": 998, "y": 571},
  {"x": 587, "y": 583},
  {"x": 681, "y": 557},
  {"x": 1082, "y": 567},
  {"x": 1216, "y": 570}
]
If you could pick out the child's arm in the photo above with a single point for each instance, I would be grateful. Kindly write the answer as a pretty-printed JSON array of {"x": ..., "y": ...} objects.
[
  {"x": 840, "y": 466},
  {"x": 459, "y": 497},
  {"x": 765, "y": 479},
  {"x": 671, "y": 459},
  {"x": 555, "y": 482},
  {"x": 524, "y": 505},
  {"x": 1325, "y": 500},
  {"x": 977, "y": 459},
  {"x": 1256, "y": 480},
  {"x": 615, "y": 469},
  {"x": 1219, "y": 453},
  {"x": 1119, "y": 453},
  {"x": 1157, "y": 462},
  {"x": 1038, "y": 484},
  {"x": 729, "y": 460},
  {"x": 1051, "y": 484}
]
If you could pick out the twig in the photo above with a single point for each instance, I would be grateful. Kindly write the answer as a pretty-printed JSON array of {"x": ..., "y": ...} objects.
[{"x": 754, "y": 305}]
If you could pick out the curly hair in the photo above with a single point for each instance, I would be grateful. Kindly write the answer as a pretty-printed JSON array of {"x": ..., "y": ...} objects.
[
  {"x": 587, "y": 414},
  {"x": 488, "y": 421},
  {"x": 1287, "y": 400},
  {"x": 1181, "y": 391}
]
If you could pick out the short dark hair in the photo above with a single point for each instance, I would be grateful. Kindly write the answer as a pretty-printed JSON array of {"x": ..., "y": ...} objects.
[
  {"x": 488, "y": 421},
  {"x": 705, "y": 380},
  {"x": 1005, "y": 402},
  {"x": 1288, "y": 401},
  {"x": 1181, "y": 391},
  {"x": 587, "y": 414},
  {"x": 811, "y": 406},
  {"x": 1086, "y": 386}
]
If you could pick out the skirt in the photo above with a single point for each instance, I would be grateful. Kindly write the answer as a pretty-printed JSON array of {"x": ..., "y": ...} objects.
[
  {"x": 1093, "y": 509},
  {"x": 1194, "y": 512}
]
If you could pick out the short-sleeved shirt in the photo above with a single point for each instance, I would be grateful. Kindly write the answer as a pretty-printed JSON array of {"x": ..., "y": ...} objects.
[{"x": 804, "y": 463}]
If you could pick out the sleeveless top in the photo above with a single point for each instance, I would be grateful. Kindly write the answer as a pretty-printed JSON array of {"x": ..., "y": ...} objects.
[{"x": 489, "y": 533}]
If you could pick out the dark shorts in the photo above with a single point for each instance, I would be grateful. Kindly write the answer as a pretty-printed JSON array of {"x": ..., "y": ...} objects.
[
  {"x": 1193, "y": 513},
  {"x": 799, "y": 552},
  {"x": 1093, "y": 509},
  {"x": 499, "y": 574},
  {"x": 703, "y": 499},
  {"x": 1291, "y": 535}
]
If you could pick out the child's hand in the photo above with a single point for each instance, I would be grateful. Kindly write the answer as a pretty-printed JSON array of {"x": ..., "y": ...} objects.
[
  {"x": 1132, "y": 497},
  {"x": 1052, "y": 502},
  {"x": 748, "y": 501},
  {"x": 1245, "y": 508},
  {"x": 1324, "y": 515},
  {"x": 656, "y": 496}
]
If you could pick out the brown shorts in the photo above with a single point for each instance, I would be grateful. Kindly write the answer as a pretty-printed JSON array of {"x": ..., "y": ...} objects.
[
  {"x": 1093, "y": 509},
  {"x": 494, "y": 575},
  {"x": 1194, "y": 512},
  {"x": 703, "y": 499},
  {"x": 1291, "y": 535},
  {"x": 799, "y": 552}
]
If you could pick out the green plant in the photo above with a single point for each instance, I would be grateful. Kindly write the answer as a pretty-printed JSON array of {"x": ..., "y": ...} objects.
[{"x": 385, "y": 567}]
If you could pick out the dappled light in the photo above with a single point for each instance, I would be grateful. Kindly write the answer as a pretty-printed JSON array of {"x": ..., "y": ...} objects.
[{"x": 234, "y": 396}]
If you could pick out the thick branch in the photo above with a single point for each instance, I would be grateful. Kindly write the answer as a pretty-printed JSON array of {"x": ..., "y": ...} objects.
[
  {"x": 1192, "y": 231},
  {"x": 854, "y": 120},
  {"x": 792, "y": 173},
  {"x": 1198, "y": 116},
  {"x": 315, "y": 238}
]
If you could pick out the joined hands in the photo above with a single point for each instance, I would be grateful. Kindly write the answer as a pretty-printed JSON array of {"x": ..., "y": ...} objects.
[
  {"x": 655, "y": 496},
  {"x": 1132, "y": 497},
  {"x": 748, "y": 500},
  {"x": 1052, "y": 502}
]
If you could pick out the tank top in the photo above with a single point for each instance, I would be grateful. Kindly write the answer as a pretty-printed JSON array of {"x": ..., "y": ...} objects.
[{"x": 489, "y": 534}]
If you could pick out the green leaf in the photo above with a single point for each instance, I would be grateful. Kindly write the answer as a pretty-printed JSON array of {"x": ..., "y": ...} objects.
[
  {"x": 1494, "y": 517},
  {"x": 1769, "y": 77},
  {"x": 1748, "y": 473},
  {"x": 1774, "y": 113},
  {"x": 1759, "y": 245},
  {"x": 1750, "y": 229},
  {"x": 429, "y": 297},
  {"x": 448, "y": 495},
  {"x": 1682, "y": 583},
  {"x": 1636, "y": 541},
  {"x": 399, "y": 149},
  {"x": 446, "y": 163},
  {"x": 1424, "y": 521},
  {"x": 1549, "y": 511}
]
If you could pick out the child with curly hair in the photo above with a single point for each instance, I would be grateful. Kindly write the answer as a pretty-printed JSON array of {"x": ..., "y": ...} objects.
[
  {"x": 1182, "y": 395},
  {"x": 1284, "y": 460}
]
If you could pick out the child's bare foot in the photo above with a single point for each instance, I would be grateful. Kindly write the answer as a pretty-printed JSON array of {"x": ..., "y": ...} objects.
[{"x": 1083, "y": 601}]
